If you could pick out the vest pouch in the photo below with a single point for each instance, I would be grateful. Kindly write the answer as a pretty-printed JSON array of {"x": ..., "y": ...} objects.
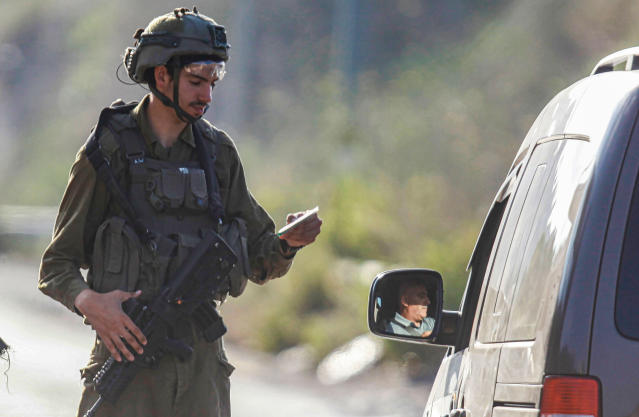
[
  {"x": 186, "y": 244},
  {"x": 116, "y": 257},
  {"x": 196, "y": 197},
  {"x": 167, "y": 189},
  {"x": 154, "y": 266},
  {"x": 235, "y": 234}
]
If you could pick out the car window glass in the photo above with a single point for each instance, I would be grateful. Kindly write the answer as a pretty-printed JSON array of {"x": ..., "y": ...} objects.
[
  {"x": 529, "y": 258},
  {"x": 542, "y": 264},
  {"x": 627, "y": 297},
  {"x": 511, "y": 243}
]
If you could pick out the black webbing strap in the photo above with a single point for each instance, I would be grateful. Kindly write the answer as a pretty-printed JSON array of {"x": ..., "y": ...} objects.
[
  {"x": 104, "y": 172},
  {"x": 133, "y": 147},
  {"x": 207, "y": 161}
]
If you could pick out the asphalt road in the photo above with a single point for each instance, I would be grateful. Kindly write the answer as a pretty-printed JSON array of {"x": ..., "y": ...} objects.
[{"x": 49, "y": 345}]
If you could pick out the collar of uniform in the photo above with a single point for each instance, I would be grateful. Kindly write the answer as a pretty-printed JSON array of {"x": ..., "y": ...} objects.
[
  {"x": 139, "y": 113},
  {"x": 404, "y": 321}
]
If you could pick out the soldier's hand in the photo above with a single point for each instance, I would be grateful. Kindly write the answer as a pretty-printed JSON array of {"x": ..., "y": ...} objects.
[
  {"x": 303, "y": 234},
  {"x": 104, "y": 312}
]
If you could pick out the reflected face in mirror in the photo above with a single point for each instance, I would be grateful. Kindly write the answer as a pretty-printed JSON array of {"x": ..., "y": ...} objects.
[
  {"x": 406, "y": 304},
  {"x": 404, "y": 309},
  {"x": 413, "y": 302}
]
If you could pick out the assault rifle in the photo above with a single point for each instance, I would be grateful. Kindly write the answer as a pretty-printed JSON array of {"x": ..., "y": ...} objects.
[{"x": 186, "y": 294}]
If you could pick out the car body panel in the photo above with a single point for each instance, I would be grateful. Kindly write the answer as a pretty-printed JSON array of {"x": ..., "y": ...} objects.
[
  {"x": 524, "y": 394},
  {"x": 614, "y": 358},
  {"x": 569, "y": 342},
  {"x": 504, "y": 377}
]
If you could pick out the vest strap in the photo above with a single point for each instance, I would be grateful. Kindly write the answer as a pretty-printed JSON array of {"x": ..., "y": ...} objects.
[
  {"x": 104, "y": 172},
  {"x": 133, "y": 145},
  {"x": 207, "y": 161}
]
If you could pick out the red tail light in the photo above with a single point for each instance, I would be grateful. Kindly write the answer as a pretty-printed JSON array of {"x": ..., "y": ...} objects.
[{"x": 567, "y": 395}]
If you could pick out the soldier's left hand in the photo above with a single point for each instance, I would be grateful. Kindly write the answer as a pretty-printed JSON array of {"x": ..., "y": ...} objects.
[{"x": 303, "y": 234}]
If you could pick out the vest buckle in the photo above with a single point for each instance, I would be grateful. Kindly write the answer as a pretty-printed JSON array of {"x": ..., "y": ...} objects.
[
  {"x": 153, "y": 246},
  {"x": 135, "y": 158}
]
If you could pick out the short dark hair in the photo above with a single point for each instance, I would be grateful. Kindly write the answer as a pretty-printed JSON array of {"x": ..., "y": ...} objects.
[{"x": 409, "y": 283}]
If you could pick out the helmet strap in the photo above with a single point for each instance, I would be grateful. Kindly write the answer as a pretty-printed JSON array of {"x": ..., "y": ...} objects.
[{"x": 179, "y": 112}]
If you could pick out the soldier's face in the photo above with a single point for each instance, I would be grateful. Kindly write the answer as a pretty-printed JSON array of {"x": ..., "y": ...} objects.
[{"x": 195, "y": 92}]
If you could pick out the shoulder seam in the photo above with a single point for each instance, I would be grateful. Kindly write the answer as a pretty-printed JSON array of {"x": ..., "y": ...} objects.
[{"x": 217, "y": 136}]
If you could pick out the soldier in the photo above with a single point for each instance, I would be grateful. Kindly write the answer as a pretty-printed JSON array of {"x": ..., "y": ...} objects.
[{"x": 138, "y": 196}]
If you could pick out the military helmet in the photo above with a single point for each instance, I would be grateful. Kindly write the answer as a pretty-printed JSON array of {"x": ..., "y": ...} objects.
[{"x": 180, "y": 33}]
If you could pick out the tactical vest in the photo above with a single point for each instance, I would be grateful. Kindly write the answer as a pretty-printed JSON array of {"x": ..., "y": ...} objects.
[{"x": 165, "y": 206}]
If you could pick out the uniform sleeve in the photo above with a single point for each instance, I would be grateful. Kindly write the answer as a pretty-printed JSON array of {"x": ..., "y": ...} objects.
[
  {"x": 267, "y": 258},
  {"x": 81, "y": 211}
]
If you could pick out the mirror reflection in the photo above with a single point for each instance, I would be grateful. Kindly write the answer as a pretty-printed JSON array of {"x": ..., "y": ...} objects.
[
  {"x": 411, "y": 317},
  {"x": 404, "y": 306}
]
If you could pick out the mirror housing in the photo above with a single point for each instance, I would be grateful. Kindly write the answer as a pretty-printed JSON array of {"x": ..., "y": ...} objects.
[
  {"x": 448, "y": 330},
  {"x": 384, "y": 318}
]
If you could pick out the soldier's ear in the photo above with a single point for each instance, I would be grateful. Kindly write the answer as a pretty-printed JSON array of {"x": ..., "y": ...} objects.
[{"x": 162, "y": 77}]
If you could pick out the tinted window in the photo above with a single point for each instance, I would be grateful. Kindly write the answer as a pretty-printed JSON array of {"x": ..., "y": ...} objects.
[{"x": 627, "y": 299}]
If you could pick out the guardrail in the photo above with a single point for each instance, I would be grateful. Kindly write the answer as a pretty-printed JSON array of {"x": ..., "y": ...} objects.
[{"x": 27, "y": 220}]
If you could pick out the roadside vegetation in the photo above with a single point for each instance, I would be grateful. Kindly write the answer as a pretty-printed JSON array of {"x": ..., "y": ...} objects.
[{"x": 402, "y": 147}]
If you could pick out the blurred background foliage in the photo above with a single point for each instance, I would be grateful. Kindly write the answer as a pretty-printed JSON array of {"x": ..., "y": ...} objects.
[{"x": 399, "y": 119}]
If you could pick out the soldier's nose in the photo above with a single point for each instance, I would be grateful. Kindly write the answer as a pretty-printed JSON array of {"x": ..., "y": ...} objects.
[{"x": 208, "y": 96}]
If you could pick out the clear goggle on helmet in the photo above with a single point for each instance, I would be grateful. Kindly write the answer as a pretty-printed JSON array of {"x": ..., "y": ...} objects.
[{"x": 210, "y": 70}]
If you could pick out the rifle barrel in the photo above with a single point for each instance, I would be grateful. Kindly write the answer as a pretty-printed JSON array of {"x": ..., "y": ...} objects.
[{"x": 94, "y": 408}]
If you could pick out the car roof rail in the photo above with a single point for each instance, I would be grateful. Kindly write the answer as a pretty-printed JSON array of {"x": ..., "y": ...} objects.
[{"x": 624, "y": 60}]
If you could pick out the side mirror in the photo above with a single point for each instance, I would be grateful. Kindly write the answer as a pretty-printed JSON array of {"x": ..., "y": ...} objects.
[{"x": 406, "y": 304}]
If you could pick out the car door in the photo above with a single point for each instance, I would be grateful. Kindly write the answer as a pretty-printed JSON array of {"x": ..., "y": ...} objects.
[
  {"x": 466, "y": 378},
  {"x": 473, "y": 378},
  {"x": 477, "y": 386}
]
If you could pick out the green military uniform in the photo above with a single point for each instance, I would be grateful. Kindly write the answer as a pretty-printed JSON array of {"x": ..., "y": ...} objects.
[{"x": 200, "y": 385}]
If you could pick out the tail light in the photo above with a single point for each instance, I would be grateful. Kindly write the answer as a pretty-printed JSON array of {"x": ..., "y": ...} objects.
[{"x": 568, "y": 395}]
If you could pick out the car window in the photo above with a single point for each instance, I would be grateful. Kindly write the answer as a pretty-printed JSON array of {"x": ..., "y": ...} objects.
[
  {"x": 627, "y": 297},
  {"x": 530, "y": 257},
  {"x": 542, "y": 264},
  {"x": 516, "y": 227}
]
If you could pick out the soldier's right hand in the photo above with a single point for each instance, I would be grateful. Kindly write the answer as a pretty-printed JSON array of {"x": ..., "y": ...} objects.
[{"x": 113, "y": 325}]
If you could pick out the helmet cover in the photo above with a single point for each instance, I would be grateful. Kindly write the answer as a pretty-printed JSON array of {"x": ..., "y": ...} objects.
[{"x": 182, "y": 33}]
